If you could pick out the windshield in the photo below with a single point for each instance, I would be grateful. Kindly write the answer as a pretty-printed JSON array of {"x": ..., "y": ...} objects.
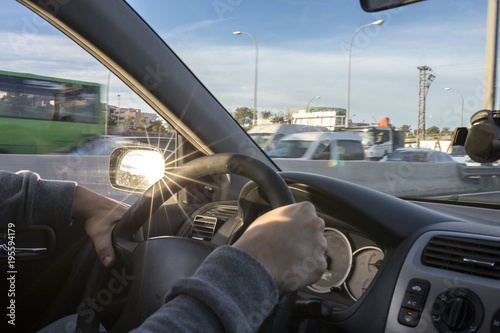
[
  {"x": 367, "y": 137},
  {"x": 418, "y": 70}
]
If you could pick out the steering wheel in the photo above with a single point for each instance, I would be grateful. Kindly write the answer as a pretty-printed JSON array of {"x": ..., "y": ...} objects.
[{"x": 155, "y": 263}]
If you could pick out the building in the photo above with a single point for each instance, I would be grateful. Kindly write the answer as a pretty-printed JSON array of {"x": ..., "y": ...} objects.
[
  {"x": 121, "y": 114},
  {"x": 329, "y": 117}
]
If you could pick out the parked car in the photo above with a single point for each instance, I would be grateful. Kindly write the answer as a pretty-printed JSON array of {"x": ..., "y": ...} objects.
[
  {"x": 418, "y": 155},
  {"x": 319, "y": 146},
  {"x": 417, "y": 263}
]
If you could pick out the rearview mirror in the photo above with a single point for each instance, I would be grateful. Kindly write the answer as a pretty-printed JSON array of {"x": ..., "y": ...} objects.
[
  {"x": 135, "y": 169},
  {"x": 378, "y": 5}
]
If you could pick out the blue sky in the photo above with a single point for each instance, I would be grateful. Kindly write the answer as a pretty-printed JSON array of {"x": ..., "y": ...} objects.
[{"x": 302, "y": 53}]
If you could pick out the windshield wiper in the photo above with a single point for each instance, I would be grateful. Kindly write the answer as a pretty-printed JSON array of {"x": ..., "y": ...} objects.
[{"x": 482, "y": 199}]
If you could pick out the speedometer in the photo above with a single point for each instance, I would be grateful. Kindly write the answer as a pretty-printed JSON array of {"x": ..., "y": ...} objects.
[
  {"x": 367, "y": 261},
  {"x": 339, "y": 259}
]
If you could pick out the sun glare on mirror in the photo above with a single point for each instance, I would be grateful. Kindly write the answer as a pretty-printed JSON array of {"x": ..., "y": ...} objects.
[{"x": 142, "y": 166}]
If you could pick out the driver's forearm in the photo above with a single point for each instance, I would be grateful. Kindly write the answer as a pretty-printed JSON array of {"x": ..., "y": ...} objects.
[
  {"x": 25, "y": 199},
  {"x": 230, "y": 292}
]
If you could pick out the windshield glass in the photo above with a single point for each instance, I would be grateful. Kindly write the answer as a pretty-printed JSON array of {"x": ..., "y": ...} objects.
[
  {"x": 417, "y": 72},
  {"x": 367, "y": 137}
]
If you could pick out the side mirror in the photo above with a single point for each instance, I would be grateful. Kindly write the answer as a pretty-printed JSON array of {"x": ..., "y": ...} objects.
[
  {"x": 135, "y": 169},
  {"x": 378, "y": 5},
  {"x": 482, "y": 143}
]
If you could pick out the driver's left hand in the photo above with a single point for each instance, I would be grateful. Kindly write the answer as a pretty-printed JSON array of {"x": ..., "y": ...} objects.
[{"x": 99, "y": 215}]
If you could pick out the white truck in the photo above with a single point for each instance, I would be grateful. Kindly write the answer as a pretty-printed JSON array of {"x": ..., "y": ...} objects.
[{"x": 379, "y": 141}]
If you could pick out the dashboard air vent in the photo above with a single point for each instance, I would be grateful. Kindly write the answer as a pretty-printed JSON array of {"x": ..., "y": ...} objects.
[
  {"x": 465, "y": 255},
  {"x": 203, "y": 227},
  {"x": 208, "y": 221}
]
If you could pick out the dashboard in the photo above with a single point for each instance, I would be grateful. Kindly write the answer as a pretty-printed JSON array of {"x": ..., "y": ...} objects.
[{"x": 389, "y": 259}]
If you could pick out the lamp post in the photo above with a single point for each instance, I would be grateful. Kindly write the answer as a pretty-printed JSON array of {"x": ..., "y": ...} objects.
[
  {"x": 254, "y": 122},
  {"x": 378, "y": 22},
  {"x": 462, "y": 112},
  {"x": 307, "y": 107},
  {"x": 312, "y": 99}
]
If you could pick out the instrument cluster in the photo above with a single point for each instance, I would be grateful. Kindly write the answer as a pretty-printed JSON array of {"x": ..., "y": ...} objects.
[{"x": 352, "y": 263}]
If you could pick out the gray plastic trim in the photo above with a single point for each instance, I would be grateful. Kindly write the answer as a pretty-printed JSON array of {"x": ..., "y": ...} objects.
[{"x": 487, "y": 289}]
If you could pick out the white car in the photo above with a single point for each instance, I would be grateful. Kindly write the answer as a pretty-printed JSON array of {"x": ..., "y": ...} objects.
[{"x": 319, "y": 146}]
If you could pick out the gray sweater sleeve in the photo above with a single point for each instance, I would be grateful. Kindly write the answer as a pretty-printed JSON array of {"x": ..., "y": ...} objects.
[
  {"x": 26, "y": 200},
  {"x": 230, "y": 292}
]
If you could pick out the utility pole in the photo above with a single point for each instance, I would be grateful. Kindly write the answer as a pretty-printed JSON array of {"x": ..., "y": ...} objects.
[{"x": 425, "y": 79}]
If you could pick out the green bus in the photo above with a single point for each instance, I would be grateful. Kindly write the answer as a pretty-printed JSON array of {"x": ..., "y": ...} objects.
[{"x": 40, "y": 114}]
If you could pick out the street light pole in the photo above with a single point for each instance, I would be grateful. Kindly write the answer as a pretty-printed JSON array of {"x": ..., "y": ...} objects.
[
  {"x": 307, "y": 107},
  {"x": 254, "y": 122},
  {"x": 312, "y": 99},
  {"x": 378, "y": 22},
  {"x": 461, "y": 113}
]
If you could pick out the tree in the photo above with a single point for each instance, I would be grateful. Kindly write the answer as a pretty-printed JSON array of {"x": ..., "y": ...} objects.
[
  {"x": 280, "y": 118},
  {"x": 242, "y": 113},
  {"x": 111, "y": 121},
  {"x": 129, "y": 121},
  {"x": 157, "y": 127},
  {"x": 143, "y": 125},
  {"x": 406, "y": 129},
  {"x": 432, "y": 130},
  {"x": 445, "y": 131},
  {"x": 266, "y": 114}
]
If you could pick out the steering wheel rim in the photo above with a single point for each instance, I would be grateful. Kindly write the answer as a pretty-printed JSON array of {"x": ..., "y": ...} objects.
[{"x": 125, "y": 244}]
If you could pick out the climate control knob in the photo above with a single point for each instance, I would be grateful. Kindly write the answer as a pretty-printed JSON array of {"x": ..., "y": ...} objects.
[
  {"x": 457, "y": 310},
  {"x": 458, "y": 313}
]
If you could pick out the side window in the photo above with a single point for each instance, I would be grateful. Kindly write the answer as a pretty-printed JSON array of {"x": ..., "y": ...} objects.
[
  {"x": 66, "y": 106},
  {"x": 349, "y": 150},
  {"x": 323, "y": 152}
]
